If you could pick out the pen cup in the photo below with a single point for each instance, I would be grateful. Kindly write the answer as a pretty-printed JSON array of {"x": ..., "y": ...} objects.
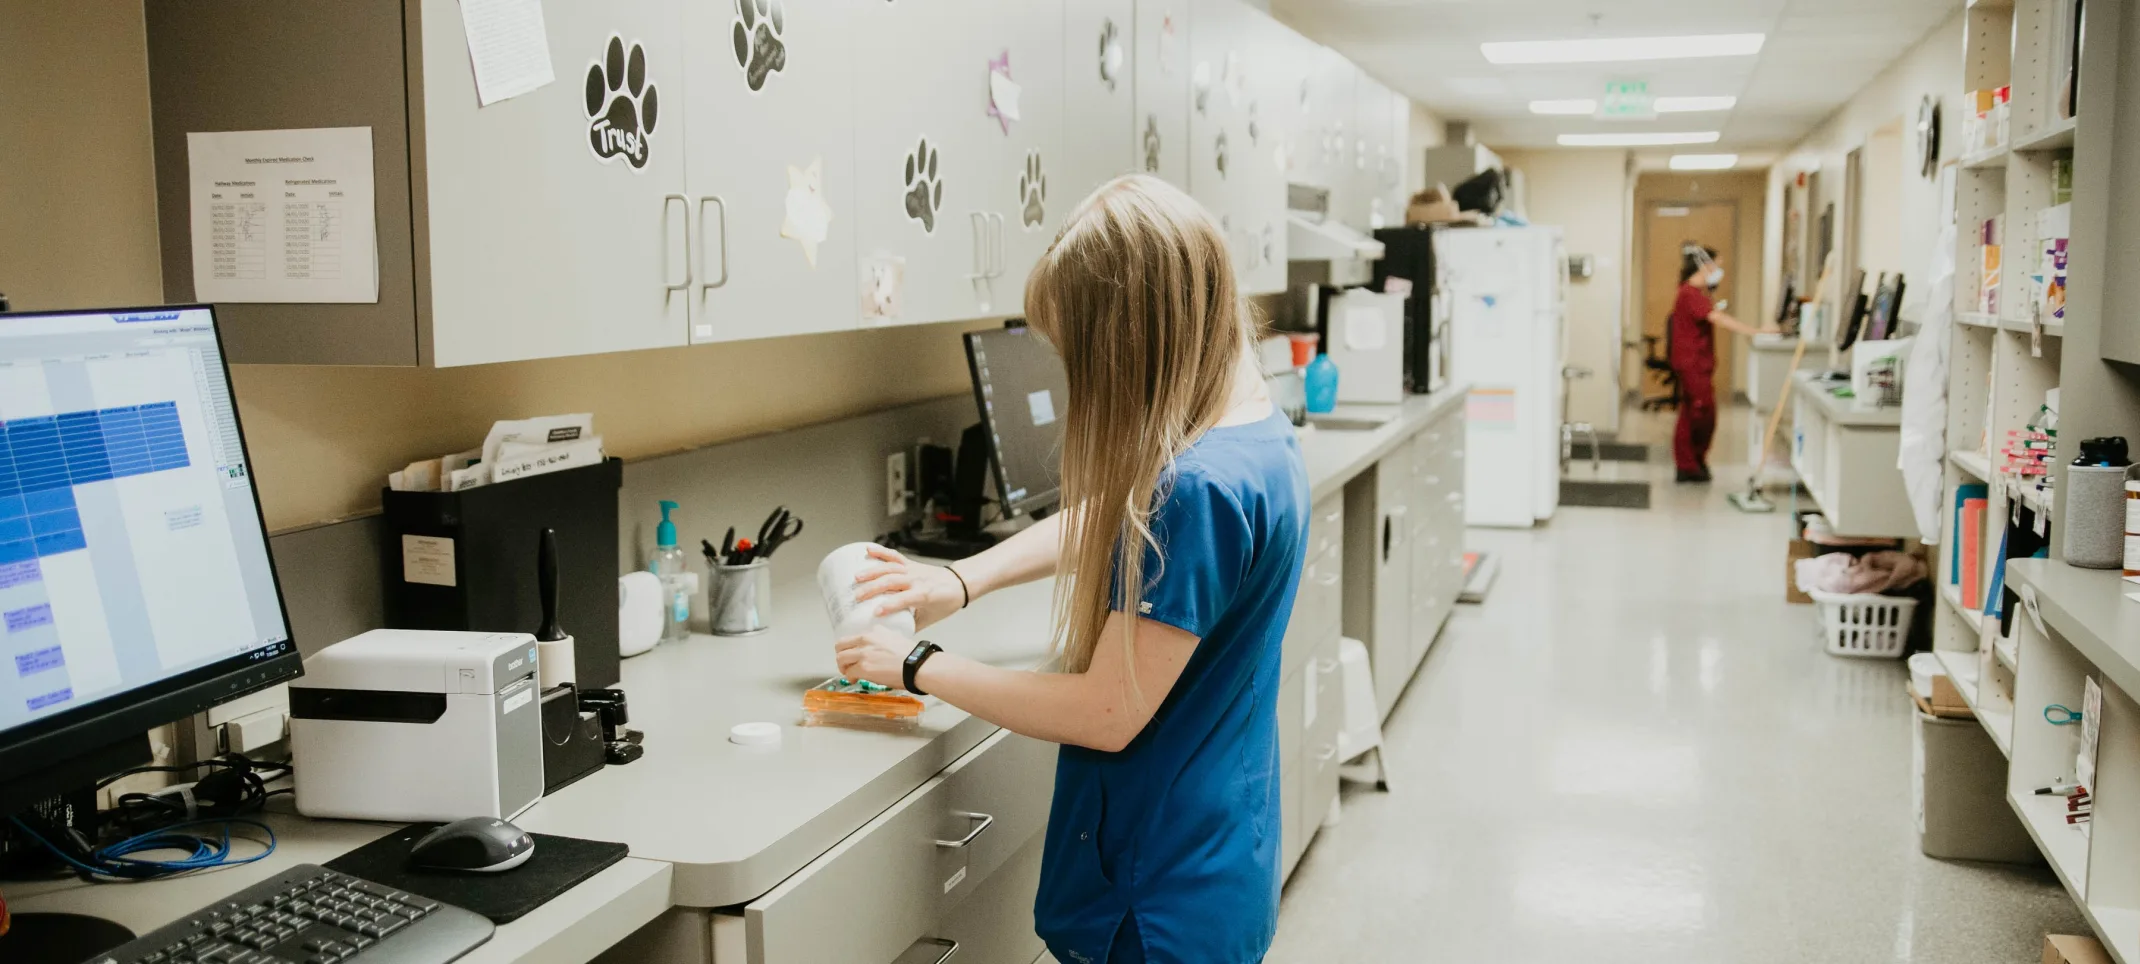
[{"x": 740, "y": 602}]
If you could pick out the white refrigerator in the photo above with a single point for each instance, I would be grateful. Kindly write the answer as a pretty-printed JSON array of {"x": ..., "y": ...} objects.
[{"x": 1502, "y": 289}]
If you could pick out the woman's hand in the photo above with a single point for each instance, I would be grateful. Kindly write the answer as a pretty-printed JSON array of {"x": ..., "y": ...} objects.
[
  {"x": 878, "y": 655},
  {"x": 932, "y": 592}
]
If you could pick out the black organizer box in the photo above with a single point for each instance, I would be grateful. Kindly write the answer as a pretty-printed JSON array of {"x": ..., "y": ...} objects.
[{"x": 495, "y": 529}]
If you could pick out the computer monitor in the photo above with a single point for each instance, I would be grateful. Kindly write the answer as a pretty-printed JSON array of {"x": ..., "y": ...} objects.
[
  {"x": 1019, "y": 384},
  {"x": 136, "y": 585}
]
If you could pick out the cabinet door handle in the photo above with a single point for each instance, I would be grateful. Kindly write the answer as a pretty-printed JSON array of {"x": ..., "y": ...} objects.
[
  {"x": 718, "y": 202},
  {"x": 928, "y": 950},
  {"x": 1002, "y": 262},
  {"x": 981, "y": 822},
  {"x": 980, "y": 245},
  {"x": 684, "y": 285},
  {"x": 1329, "y": 750},
  {"x": 1329, "y": 580},
  {"x": 1326, "y": 666},
  {"x": 1332, "y": 517}
]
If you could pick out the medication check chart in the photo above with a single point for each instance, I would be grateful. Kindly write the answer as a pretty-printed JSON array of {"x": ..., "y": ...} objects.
[{"x": 113, "y": 473}]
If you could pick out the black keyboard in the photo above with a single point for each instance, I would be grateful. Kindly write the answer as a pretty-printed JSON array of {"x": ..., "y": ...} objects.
[{"x": 311, "y": 915}]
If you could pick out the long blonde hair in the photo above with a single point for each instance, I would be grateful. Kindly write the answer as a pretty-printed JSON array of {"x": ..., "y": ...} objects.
[{"x": 1138, "y": 297}]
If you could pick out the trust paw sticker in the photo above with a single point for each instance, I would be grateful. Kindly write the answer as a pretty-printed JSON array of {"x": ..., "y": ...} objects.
[
  {"x": 1032, "y": 192},
  {"x": 924, "y": 190},
  {"x": 1111, "y": 55},
  {"x": 1255, "y": 130},
  {"x": 1151, "y": 143},
  {"x": 1220, "y": 148},
  {"x": 809, "y": 218},
  {"x": 621, "y": 105},
  {"x": 759, "y": 49}
]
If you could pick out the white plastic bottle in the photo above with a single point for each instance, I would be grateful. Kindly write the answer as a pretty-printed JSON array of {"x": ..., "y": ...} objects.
[{"x": 677, "y": 583}]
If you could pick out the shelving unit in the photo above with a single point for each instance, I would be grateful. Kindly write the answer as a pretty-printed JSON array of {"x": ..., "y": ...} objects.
[{"x": 1999, "y": 369}]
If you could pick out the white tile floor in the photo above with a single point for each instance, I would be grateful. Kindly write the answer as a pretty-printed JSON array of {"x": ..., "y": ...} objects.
[{"x": 1636, "y": 751}]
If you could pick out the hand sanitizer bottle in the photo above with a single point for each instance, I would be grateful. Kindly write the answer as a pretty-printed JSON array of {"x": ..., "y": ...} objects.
[{"x": 668, "y": 564}]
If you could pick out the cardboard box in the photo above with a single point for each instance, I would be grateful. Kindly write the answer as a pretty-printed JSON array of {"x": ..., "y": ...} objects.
[
  {"x": 1798, "y": 549},
  {"x": 1432, "y": 206},
  {"x": 2069, "y": 949}
]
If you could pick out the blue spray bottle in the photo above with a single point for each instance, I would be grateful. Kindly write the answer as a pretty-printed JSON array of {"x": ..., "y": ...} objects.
[{"x": 1321, "y": 382}]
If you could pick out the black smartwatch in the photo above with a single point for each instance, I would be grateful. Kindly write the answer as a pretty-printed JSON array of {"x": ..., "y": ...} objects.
[{"x": 922, "y": 651}]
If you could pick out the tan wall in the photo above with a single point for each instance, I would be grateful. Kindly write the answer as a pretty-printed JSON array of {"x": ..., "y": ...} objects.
[
  {"x": 1425, "y": 132},
  {"x": 1749, "y": 294},
  {"x": 78, "y": 229},
  {"x": 77, "y": 179},
  {"x": 1586, "y": 194},
  {"x": 1911, "y": 201}
]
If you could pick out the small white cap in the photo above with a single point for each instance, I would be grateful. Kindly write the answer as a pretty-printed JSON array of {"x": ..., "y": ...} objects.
[{"x": 755, "y": 734}]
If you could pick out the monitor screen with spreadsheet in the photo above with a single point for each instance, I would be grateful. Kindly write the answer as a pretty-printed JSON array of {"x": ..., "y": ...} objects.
[{"x": 135, "y": 581}]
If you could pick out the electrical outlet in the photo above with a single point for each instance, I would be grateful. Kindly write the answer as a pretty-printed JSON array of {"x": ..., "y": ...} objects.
[{"x": 895, "y": 484}]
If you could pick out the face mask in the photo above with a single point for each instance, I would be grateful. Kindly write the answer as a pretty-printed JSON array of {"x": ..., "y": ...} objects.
[{"x": 1716, "y": 277}]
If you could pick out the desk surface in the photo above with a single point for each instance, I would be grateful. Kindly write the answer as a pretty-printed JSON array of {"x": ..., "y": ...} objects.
[
  {"x": 711, "y": 823},
  {"x": 568, "y": 930},
  {"x": 1844, "y": 411}
]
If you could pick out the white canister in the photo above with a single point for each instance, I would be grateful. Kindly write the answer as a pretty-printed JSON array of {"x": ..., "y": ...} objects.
[{"x": 836, "y": 581}]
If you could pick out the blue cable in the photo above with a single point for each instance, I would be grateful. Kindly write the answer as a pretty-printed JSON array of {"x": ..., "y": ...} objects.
[
  {"x": 117, "y": 861},
  {"x": 2064, "y": 717}
]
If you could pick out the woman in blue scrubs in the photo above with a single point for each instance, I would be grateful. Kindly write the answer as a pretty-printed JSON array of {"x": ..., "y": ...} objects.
[{"x": 1184, "y": 482}]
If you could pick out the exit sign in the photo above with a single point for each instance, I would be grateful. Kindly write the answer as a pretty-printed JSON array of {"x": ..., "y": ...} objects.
[{"x": 1627, "y": 100}]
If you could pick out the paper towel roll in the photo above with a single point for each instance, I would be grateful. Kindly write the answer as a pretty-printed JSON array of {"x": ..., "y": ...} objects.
[
  {"x": 554, "y": 662},
  {"x": 836, "y": 581}
]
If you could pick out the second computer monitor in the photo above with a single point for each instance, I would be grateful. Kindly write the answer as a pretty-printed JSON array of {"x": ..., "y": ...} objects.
[{"x": 1019, "y": 384}]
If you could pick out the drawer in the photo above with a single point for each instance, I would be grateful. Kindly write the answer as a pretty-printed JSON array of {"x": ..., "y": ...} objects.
[
  {"x": 1290, "y": 722},
  {"x": 1317, "y": 608},
  {"x": 1326, "y": 526},
  {"x": 994, "y": 924},
  {"x": 1292, "y": 837},
  {"x": 888, "y": 883}
]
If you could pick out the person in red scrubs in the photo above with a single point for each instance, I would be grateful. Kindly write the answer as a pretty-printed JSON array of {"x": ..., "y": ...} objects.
[{"x": 1694, "y": 321}]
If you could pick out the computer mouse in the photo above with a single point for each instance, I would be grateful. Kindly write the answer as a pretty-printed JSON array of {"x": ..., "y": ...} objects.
[{"x": 483, "y": 845}]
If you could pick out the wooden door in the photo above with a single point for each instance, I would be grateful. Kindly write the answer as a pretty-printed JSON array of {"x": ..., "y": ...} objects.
[{"x": 1668, "y": 228}]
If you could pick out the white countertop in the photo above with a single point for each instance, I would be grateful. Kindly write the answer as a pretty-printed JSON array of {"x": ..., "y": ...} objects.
[
  {"x": 711, "y": 823},
  {"x": 1844, "y": 411},
  {"x": 2088, "y": 607}
]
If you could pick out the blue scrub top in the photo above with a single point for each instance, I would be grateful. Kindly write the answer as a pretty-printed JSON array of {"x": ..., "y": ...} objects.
[{"x": 1177, "y": 834}]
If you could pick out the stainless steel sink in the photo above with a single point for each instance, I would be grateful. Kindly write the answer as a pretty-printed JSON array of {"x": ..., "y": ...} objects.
[{"x": 1339, "y": 424}]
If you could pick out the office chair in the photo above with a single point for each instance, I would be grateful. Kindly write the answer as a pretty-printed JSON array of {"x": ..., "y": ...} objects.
[{"x": 1662, "y": 365}]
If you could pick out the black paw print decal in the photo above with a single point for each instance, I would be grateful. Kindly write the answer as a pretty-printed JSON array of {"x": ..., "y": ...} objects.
[
  {"x": 1032, "y": 192},
  {"x": 621, "y": 105},
  {"x": 925, "y": 193},
  {"x": 1222, "y": 153},
  {"x": 758, "y": 48},
  {"x": 1151, "y": 143},
  {"x": 1111, "y": 55}
]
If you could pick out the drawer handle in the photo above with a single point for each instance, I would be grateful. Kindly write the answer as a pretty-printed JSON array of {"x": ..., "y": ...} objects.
[
  {"x": 1333, "y": 516},
  {"x": 1326, "y": 666},
  {"x": 981, "y": 823},
  {"x": 1329, "y": 750},
  {"x": 929, "y": 950},
  {"x": 1329, "y": 580}
]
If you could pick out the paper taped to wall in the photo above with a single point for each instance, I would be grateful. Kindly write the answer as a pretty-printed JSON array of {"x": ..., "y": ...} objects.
[
  {"x": 284, "y": 216},
  {"x": 509, "y": 47}
]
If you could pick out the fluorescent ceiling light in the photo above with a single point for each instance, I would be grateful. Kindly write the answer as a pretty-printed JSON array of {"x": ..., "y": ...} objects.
[
  {"x": 1638, "y": 140},
  {"x": 1584, "y": 106},
  {"x": 1607, "y": 49},
  {"x": 1577, "y": 106},
  {"x": 1704, "y": 162},
  {"x": 1689, "y": 105}
]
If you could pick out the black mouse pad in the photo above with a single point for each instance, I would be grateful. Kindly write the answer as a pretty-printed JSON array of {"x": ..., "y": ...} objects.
[{"x": 558, "y": 865}]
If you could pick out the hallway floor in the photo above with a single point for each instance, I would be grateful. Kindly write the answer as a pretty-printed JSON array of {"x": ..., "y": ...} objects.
[{"x": 1636, "y": 751}]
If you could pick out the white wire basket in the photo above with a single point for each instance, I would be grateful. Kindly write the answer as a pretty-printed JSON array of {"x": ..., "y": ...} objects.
[{"x": 1865, "y": 624}]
